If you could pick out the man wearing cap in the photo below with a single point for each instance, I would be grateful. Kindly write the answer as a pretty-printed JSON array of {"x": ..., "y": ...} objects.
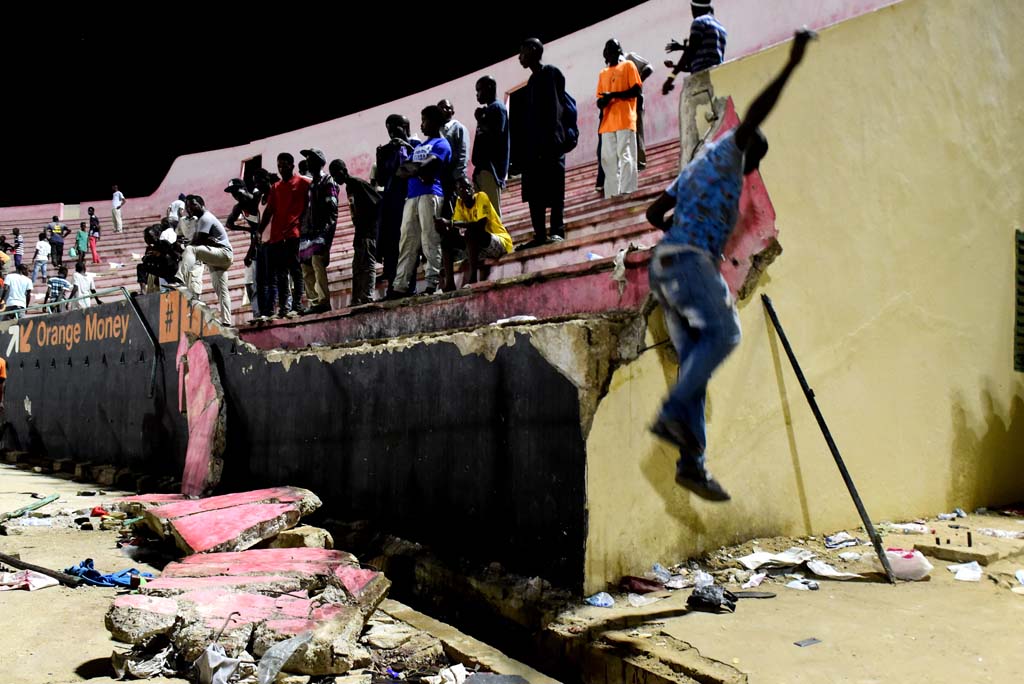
[
  {"x": 539, "y": 144},
  {"x": 362, "y": 201},
  {"x": 211, "y": 246},
  {"x": 285, "y": 208},
  {"x": 618, "y": 87},
  {"x": 704, "y": 49},
  {"x": 318, "y": 228},
  {"x": 175, "y": 210},
  {"x": 698, "y": 213}
]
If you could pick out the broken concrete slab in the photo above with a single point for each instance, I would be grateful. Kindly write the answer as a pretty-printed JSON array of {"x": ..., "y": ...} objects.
[
  {"x": 302, "y": 562},
  {"x": 303, "y": 536},
  {"x": 274, "y": 594},
  {"x": 159, "y": 516},
  {"x": 234, "y": 529},
  {"x": 207, "y": 418},
  {"x": 983, "y": 555}
]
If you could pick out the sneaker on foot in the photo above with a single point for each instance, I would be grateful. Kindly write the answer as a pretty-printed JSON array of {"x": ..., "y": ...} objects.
[
  {"x": 535, "y": 242},
  {"x": 692, "y": 475}
]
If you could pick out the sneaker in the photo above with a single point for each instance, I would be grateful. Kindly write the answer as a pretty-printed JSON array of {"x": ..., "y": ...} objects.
[
  {"x": 690, "y": 474},
  {"x": 554, "y": 238},
  {"x": 675, "y": 434},
  {"x": 430, "y": 290},
  {"x": 294, "y": 313}
]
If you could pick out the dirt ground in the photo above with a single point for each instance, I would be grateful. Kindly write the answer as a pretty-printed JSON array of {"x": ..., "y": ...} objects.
[
  {"x": 939, "y": 630},
  {"x": 56, "y": 635}
]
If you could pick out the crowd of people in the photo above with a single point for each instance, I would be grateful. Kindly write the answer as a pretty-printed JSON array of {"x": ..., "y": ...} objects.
[{"x": 419, "y": 204}]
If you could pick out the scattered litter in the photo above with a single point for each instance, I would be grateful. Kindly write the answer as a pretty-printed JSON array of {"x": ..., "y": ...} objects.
[
  {"x": 93, "y": 577},
  {"x": 601, "y": 600},
  {"x": 144, "y": 662},
  {"x": 32, "y": 522},
  {"x": 850, "y": 556},
  {"x": 712, "y": 599},
  {"x": 702, "y": 579},
  {"x": 456, "y": 674},
  {"x": 906, "y": 564},
  {"x": 960, "y": 512},
  {"x": 277, "y": 655},
  {"x": 1001, "y": 534},
  {"x": 25, "y": 579},
  {"x": 966, "y": 572},
  {"x": 117, "y": 264},
  {"x": 841, "y": 540},
  {"x": 755, "y": 580},
  {"x": 804, "y": 585},
  {"x": 640, "y": 585},
  {"x": 619, "y": 272},
  {"x": 593, "y": 256},
  {"x": 638, "y": 601},
  {"x": 823, "y": 569},
  {"x": 907, "y": 528},
  {"x": 678, "y": 582},
  {"x": 947, "y": 516},
  {"x": 514, "y": 319},
  {"x": 86, "y": 493},
  {"x": 98, "y": 512},
  {"x": 807, "y": 642},
  {"x": 215, "y": 667},
  {"x": 661, "y": 573},
  {"x": 790, "y": 557},
  {"x": 1020, "y": 576}
]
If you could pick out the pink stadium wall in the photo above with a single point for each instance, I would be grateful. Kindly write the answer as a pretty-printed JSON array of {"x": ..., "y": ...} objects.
[{"x": 752, "y": 24}]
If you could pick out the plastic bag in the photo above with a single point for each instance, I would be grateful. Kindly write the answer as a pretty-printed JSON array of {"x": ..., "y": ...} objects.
[
  {"x": 712, "y": 599},
  {"x": 908, "y": 565},
  {"x": 277, "y": 655},
  {"x": 601, "y": 600}
]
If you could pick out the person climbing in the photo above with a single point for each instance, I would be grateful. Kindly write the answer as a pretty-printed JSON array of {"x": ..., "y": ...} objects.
[{"x": 685, "y": 278}]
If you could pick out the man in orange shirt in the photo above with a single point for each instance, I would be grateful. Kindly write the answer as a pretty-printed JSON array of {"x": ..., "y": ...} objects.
[{"x": 618, "y": 87}]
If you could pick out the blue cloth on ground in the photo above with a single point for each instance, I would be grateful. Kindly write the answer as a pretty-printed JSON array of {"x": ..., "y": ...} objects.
[{"x": 93, "y": 577}]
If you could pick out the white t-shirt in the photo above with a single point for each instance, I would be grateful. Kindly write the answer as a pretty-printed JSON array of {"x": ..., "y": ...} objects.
[
  {"x": 172, "y": 210},
  {"x": 19, "y": 287},
  {"x": 187, "y": 227},
  {"x": 42, "y": 250},
  {"x": 118, "y": 199},
  {"x": 86, "y": 283},
  {"x": 169, "y": 235}
]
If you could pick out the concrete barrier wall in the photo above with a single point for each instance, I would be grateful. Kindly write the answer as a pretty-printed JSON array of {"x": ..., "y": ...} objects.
[
  {"x": 895, "y": 166},
  {"x": 752, "y": 24}
]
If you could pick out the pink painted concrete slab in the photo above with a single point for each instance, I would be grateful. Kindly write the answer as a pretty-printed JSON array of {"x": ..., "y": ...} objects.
[
  {"x": 181, "y": 508},
  {"x": 354, "y": 579},
  {"x": 155, "y": 499},
  {"x": 236, "y": 528},
  {"x": 151, "y": 604},
  {"x": 168, "y": 586},
  {"x": 267, "y": 558},
  {"x": 204, "y": 404}
]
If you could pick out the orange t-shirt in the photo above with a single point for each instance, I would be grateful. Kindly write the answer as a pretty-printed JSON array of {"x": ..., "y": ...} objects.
[
  {"x": 619, "y": 115},
  {"x": 3, "y": 368}
]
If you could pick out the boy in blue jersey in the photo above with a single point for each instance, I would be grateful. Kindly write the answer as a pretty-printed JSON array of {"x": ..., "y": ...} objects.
[{"x": 699, "y": 311}]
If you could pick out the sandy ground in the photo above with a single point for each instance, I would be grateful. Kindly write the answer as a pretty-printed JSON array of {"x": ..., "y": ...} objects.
[{"x": 56, "y": 635}]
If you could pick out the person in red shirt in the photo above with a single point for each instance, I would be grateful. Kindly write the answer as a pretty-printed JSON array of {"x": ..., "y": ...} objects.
[{"x": 284, "y": 214}]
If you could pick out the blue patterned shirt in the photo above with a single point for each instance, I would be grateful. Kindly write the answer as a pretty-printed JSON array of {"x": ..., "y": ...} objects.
[
  {"x": 707, "y": 195},
  {"x": 707, "y": 38}
]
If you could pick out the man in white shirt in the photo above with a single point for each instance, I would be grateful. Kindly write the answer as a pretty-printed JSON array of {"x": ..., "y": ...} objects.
[
  {"x": 210, "y": 245},
  {"x": 117, "y": 202},
  {"x": 84, "y": 286},
  {"x": 175, "y": 210},
  {"x": 41, "y": 256},
  {"x": 17, "y": 290}
]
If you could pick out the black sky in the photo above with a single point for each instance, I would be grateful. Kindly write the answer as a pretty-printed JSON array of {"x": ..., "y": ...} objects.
[{"x": 114, "y": 95}]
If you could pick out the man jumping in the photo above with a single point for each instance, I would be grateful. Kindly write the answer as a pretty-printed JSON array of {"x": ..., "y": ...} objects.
[{"x": 699, "y": 312}]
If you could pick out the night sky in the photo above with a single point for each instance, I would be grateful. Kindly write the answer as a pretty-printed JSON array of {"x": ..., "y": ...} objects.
[{"x": 92, "y": 99}]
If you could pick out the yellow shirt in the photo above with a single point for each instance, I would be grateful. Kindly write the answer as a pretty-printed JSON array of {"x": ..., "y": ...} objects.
[
  {"x": 482, "y": 208},
  {"x": 619, "y": 115}
]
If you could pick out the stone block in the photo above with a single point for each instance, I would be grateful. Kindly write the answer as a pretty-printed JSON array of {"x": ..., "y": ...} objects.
[
  {"x": 103, "y": 474},
  {"x": 959, "y": 554},
  {"x": 83, "y": 471},
  {"x": 303, "y": 536}
]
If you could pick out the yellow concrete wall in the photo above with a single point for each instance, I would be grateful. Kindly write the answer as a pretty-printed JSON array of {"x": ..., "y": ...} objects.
[{"x": 896, "y": 170}]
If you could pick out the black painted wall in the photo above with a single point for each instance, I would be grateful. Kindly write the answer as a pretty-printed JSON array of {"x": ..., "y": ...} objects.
[{"x": 476, "y": 459}]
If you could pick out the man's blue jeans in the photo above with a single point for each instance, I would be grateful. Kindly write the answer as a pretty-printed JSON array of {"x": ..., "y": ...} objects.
[
  {"x": 703, "y": 325},
  {"x": 39, "y": 267}
]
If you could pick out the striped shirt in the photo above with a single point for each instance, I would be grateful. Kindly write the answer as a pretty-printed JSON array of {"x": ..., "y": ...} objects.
[{"x": 707, "y": 40}]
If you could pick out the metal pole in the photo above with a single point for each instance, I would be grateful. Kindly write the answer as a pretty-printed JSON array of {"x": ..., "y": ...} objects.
[{"x": 809, "y": 393}]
